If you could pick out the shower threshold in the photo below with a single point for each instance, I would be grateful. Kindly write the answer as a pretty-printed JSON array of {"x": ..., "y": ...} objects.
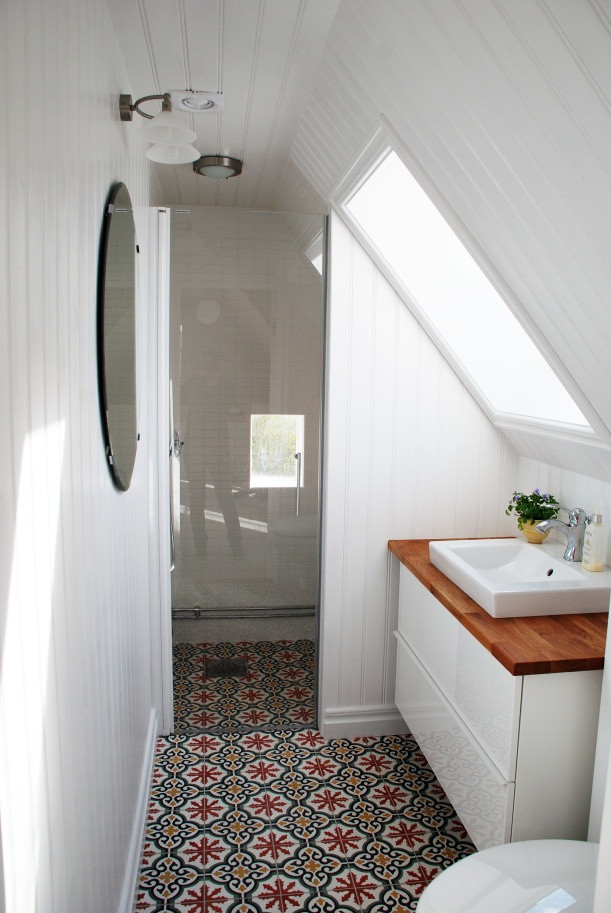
[{"x": 244, "y": 612}]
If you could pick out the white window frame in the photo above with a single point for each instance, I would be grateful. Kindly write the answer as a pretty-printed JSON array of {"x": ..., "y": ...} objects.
[
  {"x": 269, "y": 481},
  {"x": 384, "y": 140}
]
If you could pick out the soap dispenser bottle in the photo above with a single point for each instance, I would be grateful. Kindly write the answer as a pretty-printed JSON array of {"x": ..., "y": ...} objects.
[{"x": 594, "y": 545}]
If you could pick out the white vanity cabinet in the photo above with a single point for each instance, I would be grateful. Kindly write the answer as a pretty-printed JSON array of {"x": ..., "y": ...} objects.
[{"x": 514, "y": 753}]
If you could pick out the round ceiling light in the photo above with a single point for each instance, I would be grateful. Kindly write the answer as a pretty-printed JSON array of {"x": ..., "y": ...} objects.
[
  {"x": 196, "y": 102},
  {"x": 217, "y": 166}
]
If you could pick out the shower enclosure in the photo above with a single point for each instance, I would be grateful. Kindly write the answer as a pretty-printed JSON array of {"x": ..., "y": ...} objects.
[{"x": 246, "y": 370}]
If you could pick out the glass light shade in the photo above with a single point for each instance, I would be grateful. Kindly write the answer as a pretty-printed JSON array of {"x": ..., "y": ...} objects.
[
  {"x": 167, "y": 128},
  {"x": 217, "y": 171},
  {"x": 178, "y": 154},
  {"x": 218, "y": 166}
]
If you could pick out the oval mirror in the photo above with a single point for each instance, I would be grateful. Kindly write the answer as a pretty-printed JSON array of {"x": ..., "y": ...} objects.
[{"x": 117, "y": 335}]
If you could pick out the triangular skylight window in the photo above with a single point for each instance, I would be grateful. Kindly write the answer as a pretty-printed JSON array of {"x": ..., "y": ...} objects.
[{"x": 454, "y": 298}]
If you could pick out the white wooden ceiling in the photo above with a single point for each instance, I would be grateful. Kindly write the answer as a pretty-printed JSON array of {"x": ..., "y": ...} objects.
[
  {"x": 261, "y": 54},
  {"x": 504, "y": 106}
]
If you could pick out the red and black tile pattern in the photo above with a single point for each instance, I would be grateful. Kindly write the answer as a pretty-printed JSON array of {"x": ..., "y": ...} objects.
[
  {"x": 284, "y": 821},
  {"x": 228, "y": 687}
]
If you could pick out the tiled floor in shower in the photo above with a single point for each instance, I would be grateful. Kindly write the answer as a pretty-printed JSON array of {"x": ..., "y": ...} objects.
[
  {"x": 263, "y": 684},
  {"x": 253, "y": 811}
]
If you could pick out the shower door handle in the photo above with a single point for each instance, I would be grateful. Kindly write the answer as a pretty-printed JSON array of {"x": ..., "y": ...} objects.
[
  {"x": 298, "y": 486},
  {"x": 172, "y": 541}
]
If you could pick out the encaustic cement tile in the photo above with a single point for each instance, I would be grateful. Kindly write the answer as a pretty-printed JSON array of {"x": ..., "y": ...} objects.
[
  {"x": 272, "y": 821},
  {"x": 272, "y": 685}
]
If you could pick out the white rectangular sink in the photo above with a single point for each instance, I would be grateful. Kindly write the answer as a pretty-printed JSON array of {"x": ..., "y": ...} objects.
[{"x": 512, "y": 577}]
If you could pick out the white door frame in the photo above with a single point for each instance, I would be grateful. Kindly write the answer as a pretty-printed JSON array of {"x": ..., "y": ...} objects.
[{"x": 159, "y": 477}]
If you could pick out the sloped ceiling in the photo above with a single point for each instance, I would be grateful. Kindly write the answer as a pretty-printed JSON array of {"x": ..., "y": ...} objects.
[
  {"x": 504, "y": 104},
  {"x": 261, "y": 54},
  {"x": 506, "y": 107}
]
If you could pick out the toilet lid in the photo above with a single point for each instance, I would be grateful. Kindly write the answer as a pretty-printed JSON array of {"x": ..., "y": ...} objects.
[{"x": 533, "y": 876}]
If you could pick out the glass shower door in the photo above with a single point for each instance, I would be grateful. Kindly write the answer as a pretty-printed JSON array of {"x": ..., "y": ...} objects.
[{"x": 246, "y": 367}]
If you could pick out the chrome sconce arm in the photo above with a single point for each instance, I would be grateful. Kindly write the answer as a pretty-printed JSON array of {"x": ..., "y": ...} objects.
[{"x": 127, "y": 106}]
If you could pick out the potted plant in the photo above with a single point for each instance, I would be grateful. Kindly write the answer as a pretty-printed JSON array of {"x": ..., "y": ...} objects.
[{"x": 531, "y": 510}]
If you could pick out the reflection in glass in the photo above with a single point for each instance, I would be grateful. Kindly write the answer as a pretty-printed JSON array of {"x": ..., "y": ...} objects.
[{"x": 246, "y": 322}]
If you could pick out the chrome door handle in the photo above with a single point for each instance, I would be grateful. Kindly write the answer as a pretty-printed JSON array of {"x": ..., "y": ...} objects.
[
  {"x": 172, "y": 542},
  {"x": 298, "y": 487}
]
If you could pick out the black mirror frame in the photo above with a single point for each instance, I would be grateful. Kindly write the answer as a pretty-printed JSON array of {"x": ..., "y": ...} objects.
[{"x": 121, "y": 479}]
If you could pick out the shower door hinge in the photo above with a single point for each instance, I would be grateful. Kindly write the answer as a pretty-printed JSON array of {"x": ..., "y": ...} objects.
[{"x": 177, "y": 444}]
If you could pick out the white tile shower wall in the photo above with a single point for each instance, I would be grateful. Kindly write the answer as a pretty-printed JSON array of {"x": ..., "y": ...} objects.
[
  {"x": 75, "y": 686},
  {"x": 246, "y": 329},
  {"x": 408, "y": 454}
]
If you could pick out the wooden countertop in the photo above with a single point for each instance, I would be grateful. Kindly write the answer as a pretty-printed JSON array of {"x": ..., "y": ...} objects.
[{"x": 524, "y": 646}]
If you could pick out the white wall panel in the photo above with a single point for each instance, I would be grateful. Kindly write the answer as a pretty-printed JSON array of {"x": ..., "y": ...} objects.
[
  {"x": 295, "y": 194},
  {"x": 571, "y": 488},
  {"x": 75, "y": 688},
  {"x": 578, "y": 489},
  {"x": 407, "y": 455},
  {"x": 506, "y": 107}
]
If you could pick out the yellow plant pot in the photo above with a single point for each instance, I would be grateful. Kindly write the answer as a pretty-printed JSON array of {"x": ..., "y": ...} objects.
[{"x": 531, "y": 533}]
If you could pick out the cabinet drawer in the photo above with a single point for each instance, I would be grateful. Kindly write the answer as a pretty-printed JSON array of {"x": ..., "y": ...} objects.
[
  {"x": 482, "y": 797},
  {"x": 481, "y": 691}
]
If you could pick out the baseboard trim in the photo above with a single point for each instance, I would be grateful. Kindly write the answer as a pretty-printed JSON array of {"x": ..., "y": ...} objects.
[
  {"x": 349, "y": 722},
  {"x": 132, "y": 869}
]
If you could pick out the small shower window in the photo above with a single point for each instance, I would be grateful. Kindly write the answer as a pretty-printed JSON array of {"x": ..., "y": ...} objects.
[{"x": 275, "y": 442}]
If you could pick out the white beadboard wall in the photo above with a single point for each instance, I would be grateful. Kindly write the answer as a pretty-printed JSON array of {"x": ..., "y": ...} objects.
[
  {"x": 408, "y": 454},
  {"x": 77, "y": 724},
  {"x": 294, "y": 193},
  {"x": 579, "y": 490},
  {"x": 506, "y": 105}
]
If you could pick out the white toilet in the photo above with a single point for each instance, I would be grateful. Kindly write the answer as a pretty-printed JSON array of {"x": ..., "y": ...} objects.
[{"x": 533, "y": 876}]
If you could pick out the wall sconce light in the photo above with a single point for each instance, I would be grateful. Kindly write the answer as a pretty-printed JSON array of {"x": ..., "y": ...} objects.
[
  {"x": 172, "y": 140},
  {"x": 217, "y": 166}
]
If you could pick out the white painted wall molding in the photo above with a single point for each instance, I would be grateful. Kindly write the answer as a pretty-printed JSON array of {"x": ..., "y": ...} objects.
[
  {"x": 350, "y": 722},
  {"x": 159, "y": 484},
  {"x": 134, "y": 856}
]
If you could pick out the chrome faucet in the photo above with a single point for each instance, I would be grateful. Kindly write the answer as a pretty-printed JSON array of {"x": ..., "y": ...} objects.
[{"x": 573, "y": 530}]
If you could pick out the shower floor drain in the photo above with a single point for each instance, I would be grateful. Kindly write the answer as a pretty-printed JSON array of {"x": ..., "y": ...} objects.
[{"x": 225, "y": 668}]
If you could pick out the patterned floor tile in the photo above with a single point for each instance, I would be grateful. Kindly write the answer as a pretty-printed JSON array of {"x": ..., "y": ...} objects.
[
  {"x": 353, "y": 890},
  {"x": 281, "y": 894},
  {"x": 271, "y": 688},
  {"x": 275, "y": 819},
  {"x": 266, "y": 821}
]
